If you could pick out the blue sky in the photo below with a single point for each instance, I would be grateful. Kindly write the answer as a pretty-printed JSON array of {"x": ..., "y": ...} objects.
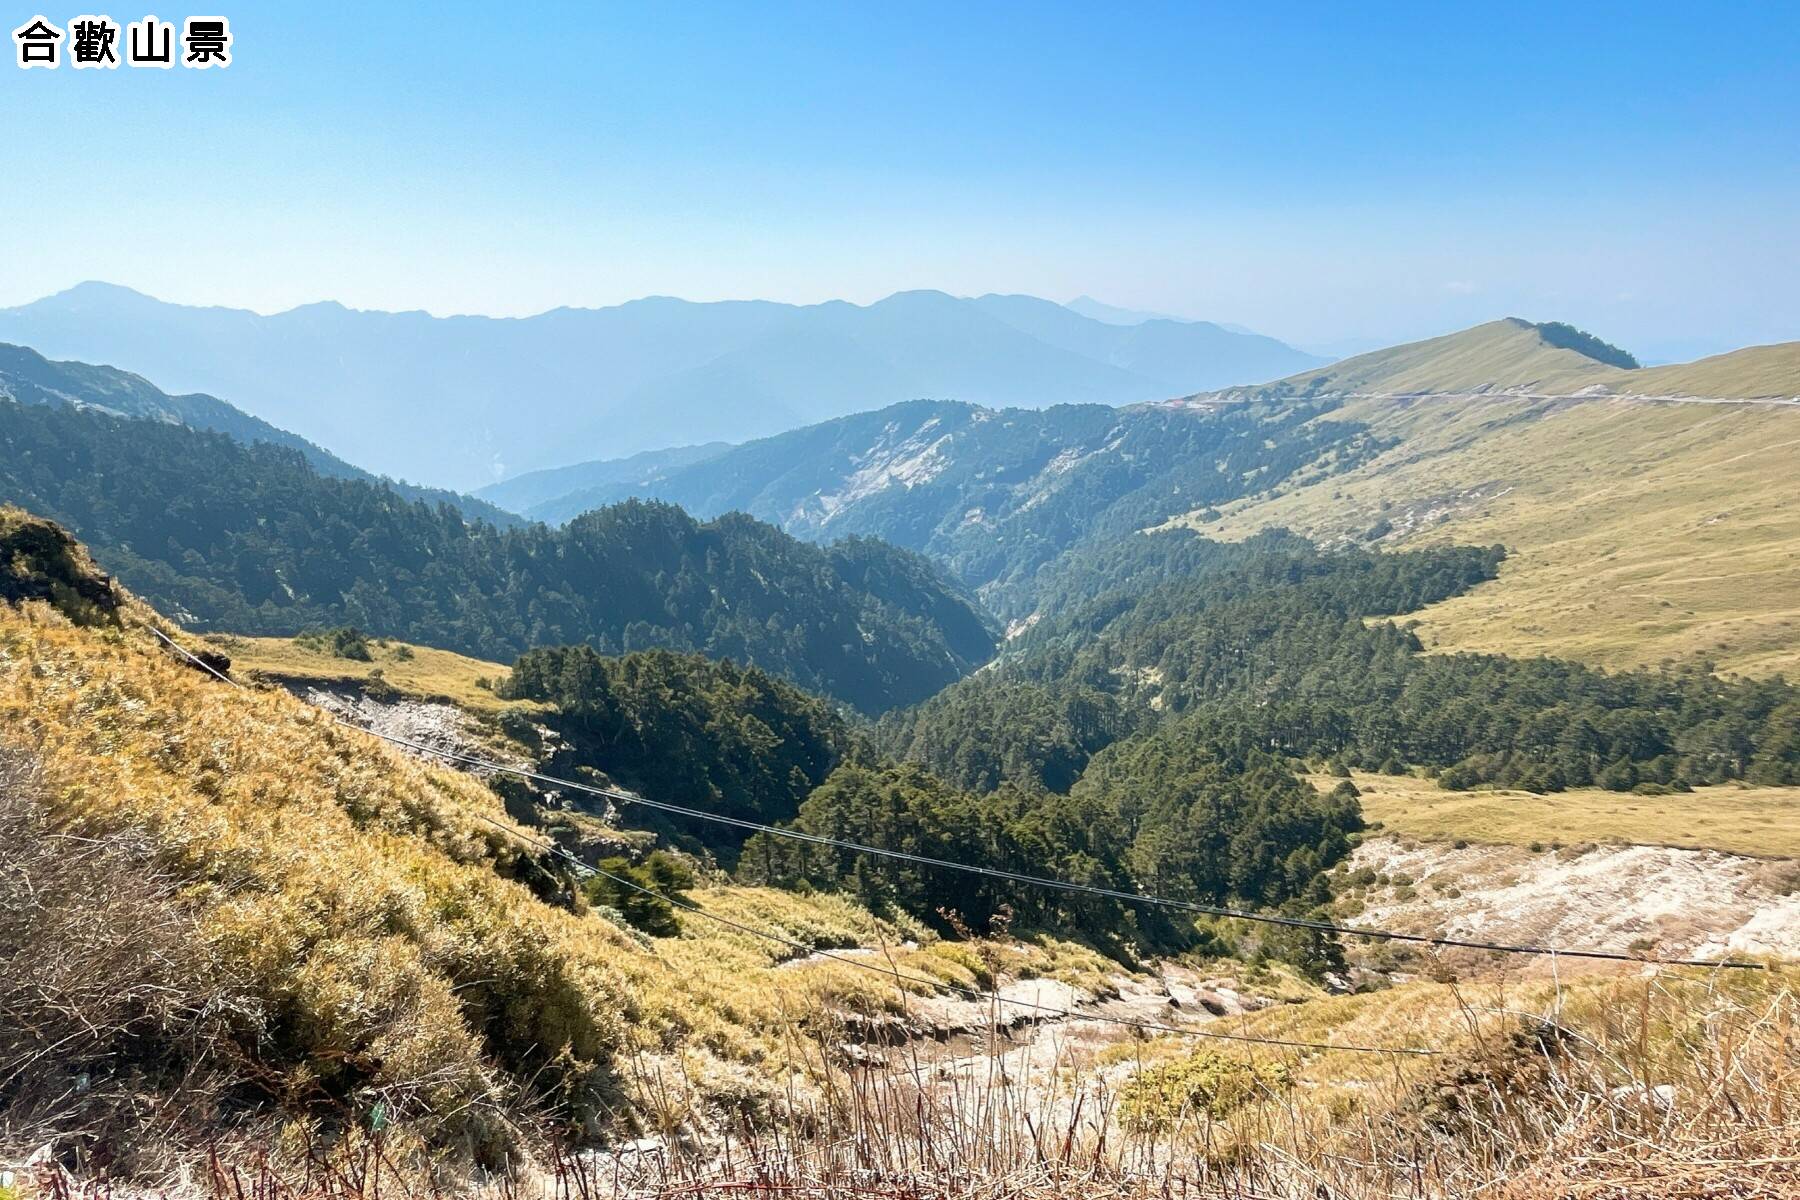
[{"x": 1330, "y": 172}]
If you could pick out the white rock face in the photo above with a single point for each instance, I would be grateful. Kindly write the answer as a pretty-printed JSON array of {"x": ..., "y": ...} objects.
[
  {"x": 914, "y": 460},
  {"x": 1698, "y": 903}
]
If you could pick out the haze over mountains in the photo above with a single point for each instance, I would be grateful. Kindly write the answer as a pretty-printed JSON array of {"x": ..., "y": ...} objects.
[
  {"x": 1499, "y": 424},
  {"x": 993, "y": 495},
  {"x": 29, "y": 378},
  {"x": 1001, "y": 496},
  {"x": 461, "y": 401},
  {"x": 234, "y": 525}
]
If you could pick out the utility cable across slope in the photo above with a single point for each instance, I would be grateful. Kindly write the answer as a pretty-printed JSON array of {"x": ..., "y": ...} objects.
[
  {"x": 886, "y": 972},
  {"x": 1001, "y": 873}
]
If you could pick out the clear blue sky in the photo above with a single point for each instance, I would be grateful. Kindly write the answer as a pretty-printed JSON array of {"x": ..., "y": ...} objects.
[{"x": 1338, "y": 171}]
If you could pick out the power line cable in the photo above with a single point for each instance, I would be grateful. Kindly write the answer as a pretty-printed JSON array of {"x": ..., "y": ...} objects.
[
  {"x": 936, "y": 984},
  {"x": 888, "y": 972},
  {"x": 1002, "y": 873}
]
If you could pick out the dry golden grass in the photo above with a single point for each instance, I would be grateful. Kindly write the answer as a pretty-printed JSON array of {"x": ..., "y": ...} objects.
[
  {"x": 365, "y": 902},
  {"x": 359, "y": 898},
  {"x": 1508, "y": 353},
  {"x": 1753, "y": 371},
  {"x": 365, "y": 911},
  {"x": 417, "y": 671},
  {"x": 1762, "y": 822},
  {"x": 1511, "y": 355},
  {"x": 1678, "y": 1086},
  {"x": 735, "y": 994},
  {"x": 1639, "y": 531},
  {"x": 1661, "y": 1086}
]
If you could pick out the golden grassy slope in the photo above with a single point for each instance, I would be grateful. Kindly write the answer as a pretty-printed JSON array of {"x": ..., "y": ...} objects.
[
  {"x": 355, "y": 895},
  {"x": 418, "y": 671},
  {"x": 1757, "y": 821},
  {"x": 1511, "y": 355},
  {"x": 1639, "y": 531},
  {"x": 366, "y": 913},
  {"x": 364, "y": 906},
  {"x": 1752, "y": 371},
  {"x": 1508, "y": 353},
  {"x": 1511, "y": 1109}
]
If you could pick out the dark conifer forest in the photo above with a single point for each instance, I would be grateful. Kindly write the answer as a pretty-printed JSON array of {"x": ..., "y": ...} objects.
[
  {"x": 253, "y": 540},
  {"x": 1146, "y": 729}
]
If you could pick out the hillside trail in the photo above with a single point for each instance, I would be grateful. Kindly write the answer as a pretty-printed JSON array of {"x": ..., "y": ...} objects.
[
  {"x": 1511, "y": 394},
  {"x": 982, "y": 1060}
]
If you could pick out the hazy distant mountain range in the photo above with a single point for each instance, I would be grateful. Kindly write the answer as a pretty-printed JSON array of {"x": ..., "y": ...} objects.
[
  {"x": 225, "y": 521},
  {"x": 460, "y": 401},
  {"x": 1027, "y": 504}
]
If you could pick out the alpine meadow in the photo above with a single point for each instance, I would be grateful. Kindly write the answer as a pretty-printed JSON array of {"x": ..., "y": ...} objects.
[{"x": 580, "y": 625}]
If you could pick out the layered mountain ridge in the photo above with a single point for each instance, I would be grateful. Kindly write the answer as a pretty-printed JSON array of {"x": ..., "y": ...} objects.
[
  {"x": 27, "y": 377},
  {"x": 460, "y": 401},
  {"x": 248, "y": 531},
  {"x": 1534, "y": 435}
]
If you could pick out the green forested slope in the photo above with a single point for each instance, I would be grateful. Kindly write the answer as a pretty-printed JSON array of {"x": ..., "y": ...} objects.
[
  {"x": 998, "y": 496},
  {"x": 1282, "y": 649},
  {"x": 253, "y": 540}
]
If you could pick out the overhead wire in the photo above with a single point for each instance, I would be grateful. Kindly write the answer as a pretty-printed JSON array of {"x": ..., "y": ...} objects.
[
  {"x": 886, "y": 972},
  {"x": 1020, "y": 877}
]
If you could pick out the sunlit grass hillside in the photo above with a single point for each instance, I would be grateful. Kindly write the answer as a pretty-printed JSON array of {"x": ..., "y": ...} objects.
[
  {"x": 376, "y": 929},
  {"x": 1638, "y": 531},
  {"x": 376, "y": 947},
  {"x": 1737, "y": 818},
  {"x": 1673, "y": 1085},
  {"x": 1508, "y": 353},
  {"x": 1772, "y": 371},
  {"x": 1514, "y": 355},
  {"x": 423, "y": 672}
]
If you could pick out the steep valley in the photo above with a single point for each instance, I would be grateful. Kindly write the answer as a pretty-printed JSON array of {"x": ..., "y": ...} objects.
[{"x": 1211, "y": 752}]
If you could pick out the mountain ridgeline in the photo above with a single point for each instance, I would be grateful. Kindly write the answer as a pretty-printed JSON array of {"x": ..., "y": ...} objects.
[
  {"x": 253, "y": 540},
  {"x": 27, "y": 377},
  {"x": 1014, "y": 501},
  {"x": 1549, "y": 358},
  {"x": 996, "y": 496},
  {"x": 457, "y": 401}
]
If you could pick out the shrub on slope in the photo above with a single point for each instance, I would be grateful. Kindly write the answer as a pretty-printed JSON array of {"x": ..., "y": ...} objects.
[
  {"x": 350, "y": 923},
  {"x": 368, "y": 923}
]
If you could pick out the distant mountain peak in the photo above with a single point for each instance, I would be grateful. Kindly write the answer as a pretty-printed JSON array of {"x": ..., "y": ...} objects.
[
  {"x": 1514, "y": 355},
  {"x": 444, "y": 398},
  {"x": 97, "y": 290},
  {"x": 915, "y": 297}
]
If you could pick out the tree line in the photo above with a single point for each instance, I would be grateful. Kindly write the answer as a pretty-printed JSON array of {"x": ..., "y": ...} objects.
[
  {"x": 1293, "y": 650},
  {"x": 251, "y": 539}
]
